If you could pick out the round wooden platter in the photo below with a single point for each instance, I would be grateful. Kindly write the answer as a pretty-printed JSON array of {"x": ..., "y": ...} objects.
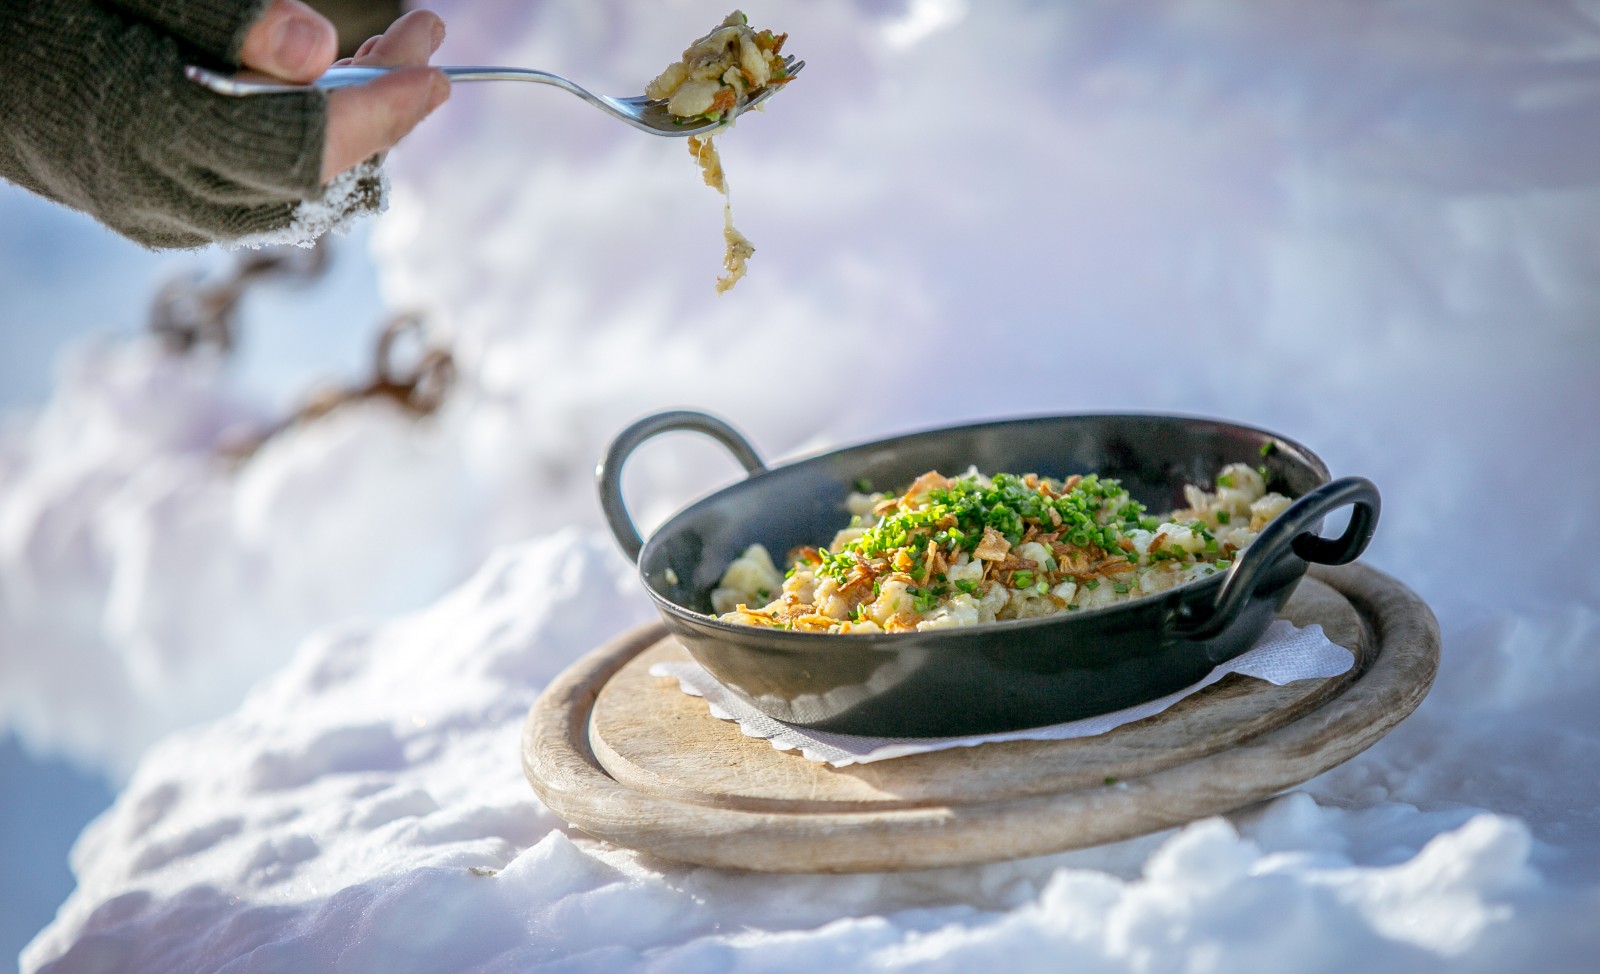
[{"x": 628, "y": 757}]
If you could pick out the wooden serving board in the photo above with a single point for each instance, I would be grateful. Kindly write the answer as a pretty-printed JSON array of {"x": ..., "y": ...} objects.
[{"x": 630, "y": 758}]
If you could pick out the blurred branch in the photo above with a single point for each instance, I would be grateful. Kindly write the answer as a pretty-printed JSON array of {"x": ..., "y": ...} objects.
[
  {"x": 189, "y": 311},
  {"x": 419, "y": 387},
  {"x": 408, "y": 370}
]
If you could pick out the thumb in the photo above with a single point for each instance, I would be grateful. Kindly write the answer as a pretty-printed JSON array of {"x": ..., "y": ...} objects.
[{"x": 290, "y": 41}]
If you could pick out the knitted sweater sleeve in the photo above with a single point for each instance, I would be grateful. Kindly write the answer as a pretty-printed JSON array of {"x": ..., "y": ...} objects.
[
  {"x": 95, "y": 113},
  {"x": 213, "y": 28}
]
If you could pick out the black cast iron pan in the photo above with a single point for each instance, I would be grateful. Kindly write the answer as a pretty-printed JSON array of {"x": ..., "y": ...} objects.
[{"x": 1004, "y": 675}]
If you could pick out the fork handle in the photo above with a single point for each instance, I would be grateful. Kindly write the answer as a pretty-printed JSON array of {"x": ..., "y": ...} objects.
[{"x": 344, "y": 76}]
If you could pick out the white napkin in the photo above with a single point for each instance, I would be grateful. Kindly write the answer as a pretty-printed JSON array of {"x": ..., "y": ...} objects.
[{"x": 1282, "y": 655}]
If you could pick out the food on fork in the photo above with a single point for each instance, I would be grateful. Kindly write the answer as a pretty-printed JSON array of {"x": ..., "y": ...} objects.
[
  {"x": 716, "y": 77},
  {"x": 721, "y": 71}
]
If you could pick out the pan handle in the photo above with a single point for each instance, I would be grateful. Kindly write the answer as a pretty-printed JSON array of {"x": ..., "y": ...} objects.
[
  {"x": 609, "y": 473},
  {"x": 1289, "y": 532}
]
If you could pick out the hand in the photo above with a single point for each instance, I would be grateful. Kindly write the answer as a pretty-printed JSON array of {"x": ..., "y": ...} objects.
[{"x": 293, "y": 42}]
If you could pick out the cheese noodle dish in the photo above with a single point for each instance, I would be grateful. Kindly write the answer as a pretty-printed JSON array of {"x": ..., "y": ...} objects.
[
  {"x": 959, "y": 551},
  {"x": 715, "y": 79}
]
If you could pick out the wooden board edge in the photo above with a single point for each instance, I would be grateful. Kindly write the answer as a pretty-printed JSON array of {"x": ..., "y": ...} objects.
[{"x": 571, "y": 783}]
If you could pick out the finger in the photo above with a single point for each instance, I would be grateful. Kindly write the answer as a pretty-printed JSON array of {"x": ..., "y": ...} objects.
[
  {"x": 410, "y": 40},
  {"x": 290, "y": 41},
  {"x": 366, "y": 46},
  {"x": 370, "y": 118}
]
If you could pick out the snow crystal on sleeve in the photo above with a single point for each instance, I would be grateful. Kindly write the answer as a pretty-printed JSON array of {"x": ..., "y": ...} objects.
[{"x": 359, "y": 191}]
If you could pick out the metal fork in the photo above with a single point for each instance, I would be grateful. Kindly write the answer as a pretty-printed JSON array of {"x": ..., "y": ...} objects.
[{"x": 644, "y": 114}]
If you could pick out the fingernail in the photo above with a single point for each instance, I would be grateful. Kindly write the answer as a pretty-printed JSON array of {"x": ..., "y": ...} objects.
[
  {"x": 438, "y": 34},
  {"x": 439, "y": 92},
  {"x": 298, "y": 41}
]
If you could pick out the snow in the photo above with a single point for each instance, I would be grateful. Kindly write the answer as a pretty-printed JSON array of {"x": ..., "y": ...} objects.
[
  {"x": 148, "y": 580},
  {"x": 365, "y": 805},
  {"x": 336, "y": 212},
  {"x": 1369, "y": 228}
]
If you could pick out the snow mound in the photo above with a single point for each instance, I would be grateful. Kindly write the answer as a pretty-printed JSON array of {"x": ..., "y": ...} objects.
[
  {"x": 146, "y": 581},
  {"x": 365, "y": 810}
]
